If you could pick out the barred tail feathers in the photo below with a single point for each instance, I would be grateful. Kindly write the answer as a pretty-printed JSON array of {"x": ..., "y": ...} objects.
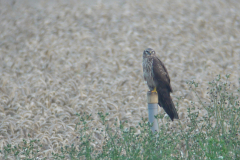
[{"x": 165, "y": 101}]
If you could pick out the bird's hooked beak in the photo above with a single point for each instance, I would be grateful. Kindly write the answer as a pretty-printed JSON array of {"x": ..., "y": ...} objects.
[{"x": 149, "y": 52}]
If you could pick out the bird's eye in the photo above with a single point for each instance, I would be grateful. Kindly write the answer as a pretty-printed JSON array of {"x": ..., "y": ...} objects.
[{"x": 153, "y": 52}]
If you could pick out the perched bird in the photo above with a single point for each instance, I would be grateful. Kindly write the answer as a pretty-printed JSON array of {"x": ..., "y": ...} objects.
[{"x": 156, "y": 75}]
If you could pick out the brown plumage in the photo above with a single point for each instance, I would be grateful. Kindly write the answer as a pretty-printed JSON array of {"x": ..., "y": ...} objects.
[{"x": 156, "y": 75}]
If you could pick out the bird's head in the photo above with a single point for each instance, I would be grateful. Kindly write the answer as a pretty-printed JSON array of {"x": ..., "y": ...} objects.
[{"x": 149, "y": 52}]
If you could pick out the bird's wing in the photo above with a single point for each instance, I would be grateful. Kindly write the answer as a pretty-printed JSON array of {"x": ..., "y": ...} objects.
[{"x": 160, "y": 73}]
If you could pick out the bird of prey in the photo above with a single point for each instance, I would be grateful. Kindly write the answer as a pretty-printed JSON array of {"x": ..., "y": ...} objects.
[{"x": 157, "y": 78}]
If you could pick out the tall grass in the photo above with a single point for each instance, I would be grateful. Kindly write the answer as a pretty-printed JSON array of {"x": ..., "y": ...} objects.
[{"x": 216, "y": 138}]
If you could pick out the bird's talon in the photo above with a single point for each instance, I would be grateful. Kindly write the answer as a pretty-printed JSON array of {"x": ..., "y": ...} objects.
[{"x": 154, "y": 90}]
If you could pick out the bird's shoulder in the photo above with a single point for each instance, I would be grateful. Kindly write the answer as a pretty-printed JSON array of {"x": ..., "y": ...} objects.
[{"x": 160, "y": 72}]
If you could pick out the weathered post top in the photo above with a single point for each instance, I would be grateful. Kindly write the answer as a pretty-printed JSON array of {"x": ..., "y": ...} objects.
[{"x": 152, "y": 97}]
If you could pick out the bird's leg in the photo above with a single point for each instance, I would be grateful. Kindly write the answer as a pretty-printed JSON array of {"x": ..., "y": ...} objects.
[{"x": 154, "y": 90}]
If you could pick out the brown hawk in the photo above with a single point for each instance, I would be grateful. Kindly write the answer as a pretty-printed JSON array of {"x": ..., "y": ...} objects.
[{"x": 156, "y": 75}]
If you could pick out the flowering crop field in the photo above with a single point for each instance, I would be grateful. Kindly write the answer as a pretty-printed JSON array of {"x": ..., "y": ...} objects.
[{"x": 59, "y": 58}]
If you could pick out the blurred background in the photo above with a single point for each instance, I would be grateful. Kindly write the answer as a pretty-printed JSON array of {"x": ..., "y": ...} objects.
[{"x": 59, "y": 58}]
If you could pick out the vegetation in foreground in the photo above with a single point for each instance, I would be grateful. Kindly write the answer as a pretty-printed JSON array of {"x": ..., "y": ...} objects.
[{"x": 216, "y": 138}]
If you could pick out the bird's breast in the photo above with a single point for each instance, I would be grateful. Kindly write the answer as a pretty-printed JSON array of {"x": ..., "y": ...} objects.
[{"x": 148, "y": 72}]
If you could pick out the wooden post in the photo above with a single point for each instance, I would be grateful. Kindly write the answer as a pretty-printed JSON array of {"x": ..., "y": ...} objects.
[{"x": 152, "y": 99}]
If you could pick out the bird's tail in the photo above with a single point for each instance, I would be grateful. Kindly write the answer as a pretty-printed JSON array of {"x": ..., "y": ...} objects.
[{"x": 165, "y": 101}]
